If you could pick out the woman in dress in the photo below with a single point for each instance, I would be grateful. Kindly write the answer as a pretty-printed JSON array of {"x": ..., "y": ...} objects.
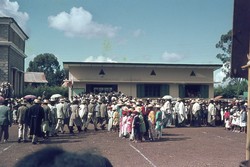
[
  {"x": 110, "y": 117},
  {"x": 158, "y": 123},
  {"x": 243, "y": 119},
  {"x": 115, "y": 120},
  {"x": 151, "y": 121}
]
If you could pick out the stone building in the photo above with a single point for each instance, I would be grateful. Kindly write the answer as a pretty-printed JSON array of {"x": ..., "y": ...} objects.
[
  {"x": 12, "y": 54},
  {"x": 142, "y": 80}
]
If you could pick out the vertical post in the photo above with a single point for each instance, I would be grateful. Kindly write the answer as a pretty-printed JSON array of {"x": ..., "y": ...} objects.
[
  {"x": 248, "y": 116},
  {"x": 248, "y": 102},
  {"x": 247, "y": 66}
]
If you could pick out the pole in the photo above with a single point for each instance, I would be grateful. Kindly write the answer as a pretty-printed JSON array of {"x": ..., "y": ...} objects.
[
  {"x": 248, "y": 110},
  {"x": 248, "y": 116}
]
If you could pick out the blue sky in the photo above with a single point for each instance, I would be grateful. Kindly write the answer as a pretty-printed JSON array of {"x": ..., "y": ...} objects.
[{"x": 147, "y": 31}]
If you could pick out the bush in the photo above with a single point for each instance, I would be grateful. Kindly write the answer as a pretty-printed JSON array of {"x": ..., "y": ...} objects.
[
  {"x": 231, "y": 90},
  {"x": 47, "y": 91}
]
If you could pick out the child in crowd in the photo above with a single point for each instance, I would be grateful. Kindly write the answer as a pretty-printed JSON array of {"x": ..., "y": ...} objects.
[
  {"x": 14, "y": 114},
  {"x": 115, "y": 120},
  {"x": 123, "y": 124},
  {"x": 227, "y": 119},
  {"x": 243, "y": 119},
  {"x": 236, "y": 121},
  {"x": 129, "y": 122}
]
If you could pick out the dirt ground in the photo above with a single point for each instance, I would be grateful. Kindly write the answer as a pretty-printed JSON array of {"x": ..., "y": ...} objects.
[{"x": 179, "y": 147}]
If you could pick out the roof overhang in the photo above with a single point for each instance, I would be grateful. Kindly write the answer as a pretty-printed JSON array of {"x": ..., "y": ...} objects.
[
  {"x": 13, "y": 24},
  {"x": 15, "y": 68},
  {"x": 14, "y": 47},
  {"x": 67, "y": 65}
]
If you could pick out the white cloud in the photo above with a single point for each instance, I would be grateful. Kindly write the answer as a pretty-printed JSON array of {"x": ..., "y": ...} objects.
[
  {"x": 171, "y": 57},
  {"x": 79, "y": 22},
  {"x": 138, "y": 33},
  {"x": 218, "y": 76},
  {"x": 99, "y": 59},
  {"x": 11, "y": 9}
]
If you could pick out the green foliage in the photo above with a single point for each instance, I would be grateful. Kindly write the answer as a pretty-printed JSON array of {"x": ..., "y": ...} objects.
[
  {"x": 232, "y": 89},
  {"x": 48, "y": 64},
  {"x": 46, "y": 90},
  {"x": 225, "y": 44}
]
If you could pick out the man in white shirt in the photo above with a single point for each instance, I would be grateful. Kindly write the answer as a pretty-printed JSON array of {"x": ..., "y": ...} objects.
[
  {"x": 211, "y": 113},
  {"x": 168, "y": 113},
  {"x": 196, "y": 113}
]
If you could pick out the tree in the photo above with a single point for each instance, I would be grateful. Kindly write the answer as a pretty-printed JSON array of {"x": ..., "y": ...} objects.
[
  {"x": 231, "y": 90},
  {"x": 236, "y": 86},
  {"x": 225, "y": 44},
  {"x": 48, "y": 64}
]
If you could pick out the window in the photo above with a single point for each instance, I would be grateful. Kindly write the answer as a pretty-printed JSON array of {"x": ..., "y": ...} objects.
[
  {"x": 193, "y": 91},
  {"x": 152, "y": 90},
  {"x": 102, "y": 88}
]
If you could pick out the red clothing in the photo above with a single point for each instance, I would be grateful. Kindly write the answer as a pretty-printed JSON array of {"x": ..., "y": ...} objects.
[{"x": 227, "y": 115}]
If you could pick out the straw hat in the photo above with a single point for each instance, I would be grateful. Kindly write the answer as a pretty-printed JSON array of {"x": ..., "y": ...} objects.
[
  {"x": 150, "y": 105},
  {"x": 62, "y": 100},
  {"x": 37, "y": 101},
  {"x": 178, "y": 99},
  {"x": 157, "y": 106},
  {"x": 45, "y": 101}
]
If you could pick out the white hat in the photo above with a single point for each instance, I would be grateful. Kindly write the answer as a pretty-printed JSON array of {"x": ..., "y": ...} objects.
[
  {"x": 45, "y": 101},
  {"x": 37, "y": 101},
  {"x": 150, "y": 105},
  {"x": 52, "y": 99},
  {"x": 157, "y": 106},
  {"x": 61, "y": 100}
]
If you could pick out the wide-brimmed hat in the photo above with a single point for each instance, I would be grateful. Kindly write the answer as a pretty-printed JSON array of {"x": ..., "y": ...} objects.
[
  {"x": 157, "y": 106},
  {"x": 178, "y": 99},
  {"x": 45, "y": 101},
  {"x": 150, "y": 105},
  {"x": 52, "y": 99},
  {"x": 62, "y": 100},
  {"x": 37, "y": 101}
]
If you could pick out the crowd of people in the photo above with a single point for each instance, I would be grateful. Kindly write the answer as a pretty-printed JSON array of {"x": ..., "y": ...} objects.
[{"x": 133, "y": 118}]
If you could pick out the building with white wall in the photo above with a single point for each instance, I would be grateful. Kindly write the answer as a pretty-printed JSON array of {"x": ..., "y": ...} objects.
[{"x": 142, "y": 80}]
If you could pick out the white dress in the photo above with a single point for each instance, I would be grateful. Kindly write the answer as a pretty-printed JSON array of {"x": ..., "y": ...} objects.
[
  {"x": 242, "y": 119},
  {"x": 110, "y": 122}
]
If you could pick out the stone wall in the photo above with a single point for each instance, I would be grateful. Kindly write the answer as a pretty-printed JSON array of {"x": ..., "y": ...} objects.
[
  {"x": 4, "y": 67},
  {"x": 11, "y": 61},
  {"x": 17, "y": 40},
  {"x": 4, "y": 32}
]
